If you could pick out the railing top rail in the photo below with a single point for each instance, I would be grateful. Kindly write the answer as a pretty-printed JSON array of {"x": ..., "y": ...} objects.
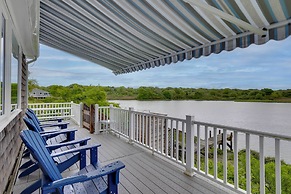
[
  {"x": 158, "y": 115},
  {"x": 104, "y": 107},
  {"x": 49, "y": 103},
  {"x": 53, "y": 108},
  {"x": 75, "y": 103},
  {"x": 249, "y": 131}
]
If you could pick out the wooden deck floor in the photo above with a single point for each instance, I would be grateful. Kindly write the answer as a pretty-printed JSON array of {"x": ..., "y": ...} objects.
[{"x": 143, "y": 173}]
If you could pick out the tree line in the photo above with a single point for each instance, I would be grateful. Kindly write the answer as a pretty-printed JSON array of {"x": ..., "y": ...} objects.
[{"x": 100, "y": 94}]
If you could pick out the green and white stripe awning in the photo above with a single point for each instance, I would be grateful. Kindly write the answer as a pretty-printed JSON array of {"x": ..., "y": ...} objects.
[{"x": 132, "y": 35}]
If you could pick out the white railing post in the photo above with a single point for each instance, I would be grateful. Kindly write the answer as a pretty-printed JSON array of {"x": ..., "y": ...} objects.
[
  {"x": 278, "y": 166},
  {"x": 97, "y": 128},
  {"x": 81, "y": 114},
  {"x": 189, "y": 145},
  {"x": 130, "y": 122},
  {"x": 110, "y": 119}
]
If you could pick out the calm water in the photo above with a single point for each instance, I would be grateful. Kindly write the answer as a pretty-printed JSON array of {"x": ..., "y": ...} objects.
[{"x": 269, "y": 117}]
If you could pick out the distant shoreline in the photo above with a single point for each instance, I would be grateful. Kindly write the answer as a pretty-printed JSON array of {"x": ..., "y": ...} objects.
[{"x": 262, "y": 101}]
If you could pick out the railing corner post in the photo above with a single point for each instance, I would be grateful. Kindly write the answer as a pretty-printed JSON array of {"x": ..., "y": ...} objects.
[
  {"x": 189, "y": 145},
  {"x": 110, "y": 119},
  {"x": 81, "y": 115},
  {"x": 97, "y": 128},
  {"x": 130, "y": 127}
]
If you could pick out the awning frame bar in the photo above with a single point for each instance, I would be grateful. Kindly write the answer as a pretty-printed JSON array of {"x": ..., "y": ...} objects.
[{"x": 227, "y": 17}]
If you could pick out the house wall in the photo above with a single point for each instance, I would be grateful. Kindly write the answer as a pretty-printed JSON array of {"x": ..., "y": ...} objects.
[
  {"x": 10, "y": 142},
  {"x": 17, "y": 36}
]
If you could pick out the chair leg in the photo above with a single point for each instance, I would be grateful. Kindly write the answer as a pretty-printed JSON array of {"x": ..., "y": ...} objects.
[
  {"x": 26, "y": 154},
  {"x": 28, "y": 171},
  {"x": 33, "y": 187},
  {"x": 25, "y": 151},
  {"x": 26, "y": 164},
  {"x": 113, "y": 180}
]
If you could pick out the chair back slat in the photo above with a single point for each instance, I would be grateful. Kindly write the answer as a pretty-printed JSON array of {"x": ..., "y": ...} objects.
[
  {"x": 30, "y": 124},
  {"x": 28, "y": 110},
  {"x": 33, "y": 117},
  {"x": 35, "y": 144}
]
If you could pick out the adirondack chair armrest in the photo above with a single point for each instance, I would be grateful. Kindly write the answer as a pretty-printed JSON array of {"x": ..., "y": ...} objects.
[
  {"x": 109, "y": 169},
  {"x": 74, "y": 150},
  {"x": 50, "y": 131},
  {"x": 46, "y": 125},
  {"x": 79, "y": 141},
  {"x": 53, "y": 119},
  {"x": 48, "y": 134}
]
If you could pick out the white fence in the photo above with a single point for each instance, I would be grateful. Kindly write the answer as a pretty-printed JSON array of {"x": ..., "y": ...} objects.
[
  {"x": 52, "y": 110},
  {"x": 190, "y": 143},
  {"x": 195, "y": 145}
]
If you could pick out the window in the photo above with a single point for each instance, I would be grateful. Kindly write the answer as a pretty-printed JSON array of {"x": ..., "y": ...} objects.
[
  {"x": 14, "y": 72},
  {"x": 2, "y": 60}
]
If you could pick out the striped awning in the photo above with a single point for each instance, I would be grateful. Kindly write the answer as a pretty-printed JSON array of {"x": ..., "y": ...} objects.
[{"x": 132, "y": 35}]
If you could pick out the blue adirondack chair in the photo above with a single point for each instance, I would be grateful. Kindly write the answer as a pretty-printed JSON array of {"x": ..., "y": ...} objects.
[
  {"x": 91, "y": 179},
  {"x": 45, "y": 120},
  {"x": 68, "y": 134},
  {"x": 77, "y": 154},
  {"x": 32, "y": 115},
  {"x": 68, "y": 140}
]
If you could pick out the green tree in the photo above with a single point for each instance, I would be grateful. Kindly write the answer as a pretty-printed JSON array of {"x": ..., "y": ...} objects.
[{"x": 32, "y": 83}]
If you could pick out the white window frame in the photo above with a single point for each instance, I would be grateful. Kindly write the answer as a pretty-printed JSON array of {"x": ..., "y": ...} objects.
[{"x": 7, "y": 67}]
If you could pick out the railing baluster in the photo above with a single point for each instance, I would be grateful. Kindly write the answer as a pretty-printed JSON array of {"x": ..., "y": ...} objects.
[
  {"x": 262, "y": 165},
  {"x": 162, "y": 134},
  {"x": 198, "y": 148},
  {"x": 154, "y": 133},
  {"x": 248, "y": 163},
  {"x": 150, "y": 131},
  {"x": 140, "y": 128},
  {"x": 143, "y": 123},
  {"x": 177, "y": 140},
  {"x": 147, "y": 129},
  {"x": 206, "y": 151},
  {"x": 235, "y": 158},
  {"x": 158, "y": 134},
  {"x": 215, "y": 152},
  {"x": 224, "y": 138},
  {"x": 278, "y": 166},
  {"x": 167, "y": 137},
  {"x": 183, "y": 142},
  {"x": 136, "y": 127},
  {"x": 172, "y": 139}
]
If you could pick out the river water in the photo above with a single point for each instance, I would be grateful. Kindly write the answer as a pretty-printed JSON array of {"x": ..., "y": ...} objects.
[{"x": 268, "y": 117}]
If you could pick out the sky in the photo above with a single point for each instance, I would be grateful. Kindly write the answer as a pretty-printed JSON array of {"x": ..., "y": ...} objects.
[{"x": 256, "y": 67}]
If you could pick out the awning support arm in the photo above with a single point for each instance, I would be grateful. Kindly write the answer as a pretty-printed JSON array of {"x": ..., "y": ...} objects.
[{"x": 227, "y": 17}]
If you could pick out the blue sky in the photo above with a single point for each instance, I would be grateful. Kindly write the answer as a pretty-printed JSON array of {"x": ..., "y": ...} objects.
[{"x": 264, "y": 66}]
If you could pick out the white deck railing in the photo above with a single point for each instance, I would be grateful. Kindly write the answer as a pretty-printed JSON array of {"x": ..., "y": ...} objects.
[
  {"x": 188, "y": 143},
  {"x": 52, "y": 110}
]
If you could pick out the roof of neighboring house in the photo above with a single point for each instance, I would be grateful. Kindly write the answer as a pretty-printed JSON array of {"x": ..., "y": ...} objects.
[{"x": 39, "y": 93}]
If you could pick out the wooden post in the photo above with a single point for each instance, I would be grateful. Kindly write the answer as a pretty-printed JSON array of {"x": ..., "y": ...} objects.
[
  {"x": 130, "y": 122},
  {"x": 97, "y": 128},
  {"x": 92, "y": 118},
  {"x": 189, "y": 145}
]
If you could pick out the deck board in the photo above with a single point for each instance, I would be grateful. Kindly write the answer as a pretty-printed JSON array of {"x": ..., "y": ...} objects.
[{"x": 143, "y": 173}]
